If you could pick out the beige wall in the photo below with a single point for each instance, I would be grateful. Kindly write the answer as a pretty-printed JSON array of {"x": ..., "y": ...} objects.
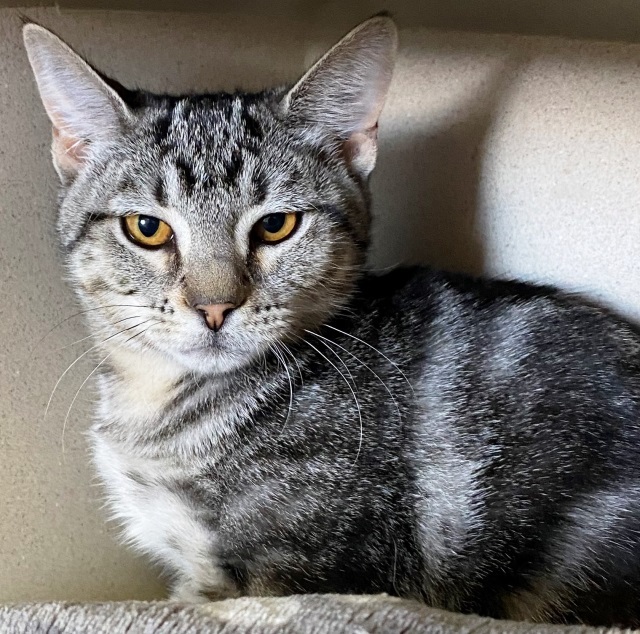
[
  {"x": 508, "y": 155},
  {"x": 593, "y": 19}
]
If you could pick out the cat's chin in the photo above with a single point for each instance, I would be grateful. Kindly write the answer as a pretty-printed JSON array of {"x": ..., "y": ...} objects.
[{"x": 207, "y": 360}]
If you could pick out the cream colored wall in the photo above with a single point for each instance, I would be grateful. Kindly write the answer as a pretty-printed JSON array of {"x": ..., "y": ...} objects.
[
  {"x": 609, "y": 20},
  {"x": 500, "y": 154}
]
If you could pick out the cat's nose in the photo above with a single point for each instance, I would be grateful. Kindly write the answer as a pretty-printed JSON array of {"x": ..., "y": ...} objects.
[{"x": 214, "y": 314}]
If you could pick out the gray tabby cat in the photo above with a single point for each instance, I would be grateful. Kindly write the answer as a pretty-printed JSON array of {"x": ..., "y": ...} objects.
[{"x": 275, "y": 420}]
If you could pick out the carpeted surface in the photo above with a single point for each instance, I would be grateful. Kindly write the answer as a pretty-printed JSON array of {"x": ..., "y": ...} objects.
[{"x": 315, "y": 614}]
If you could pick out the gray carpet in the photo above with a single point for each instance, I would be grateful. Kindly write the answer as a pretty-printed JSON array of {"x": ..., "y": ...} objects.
[{"x": 315, "y": 614}]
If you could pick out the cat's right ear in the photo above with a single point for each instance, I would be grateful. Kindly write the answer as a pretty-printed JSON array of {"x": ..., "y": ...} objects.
[
  {"x": 85, "y": 112},
  {"x": 344, "y": 91}
]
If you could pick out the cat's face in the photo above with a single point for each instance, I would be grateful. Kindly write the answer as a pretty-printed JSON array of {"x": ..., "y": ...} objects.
[
  {"x": 212, "y": 228},
  {"x": 254, "y": 217}
]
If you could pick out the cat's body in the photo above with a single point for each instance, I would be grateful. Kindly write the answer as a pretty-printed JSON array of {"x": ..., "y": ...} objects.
[
  {"x": 496, "y": 498},
  {"x": 471, "y": 444}
]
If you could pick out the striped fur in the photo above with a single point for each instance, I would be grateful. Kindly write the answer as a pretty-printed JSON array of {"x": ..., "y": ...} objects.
[{"x": 471, "y": 444}]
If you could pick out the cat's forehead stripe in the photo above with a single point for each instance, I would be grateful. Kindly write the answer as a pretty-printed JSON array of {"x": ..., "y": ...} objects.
[
  {"x": 260, "y": 187},
  {"x": 160, "y": 192},
  {"x": 186, "y": 175},
  {"x": 221, "y": 135}
]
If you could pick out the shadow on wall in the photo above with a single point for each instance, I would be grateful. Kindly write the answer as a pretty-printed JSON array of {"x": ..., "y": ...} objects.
[{"x": 429, "y": 182}]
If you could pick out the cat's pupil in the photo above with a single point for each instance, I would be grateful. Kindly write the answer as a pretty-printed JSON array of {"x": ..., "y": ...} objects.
[
  {"x": 148, "y": 225},
  {"x": 273, "y": 222}
]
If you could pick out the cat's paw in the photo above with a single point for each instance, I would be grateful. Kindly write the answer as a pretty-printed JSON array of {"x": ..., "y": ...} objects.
[{"x": 188, "y": 592}]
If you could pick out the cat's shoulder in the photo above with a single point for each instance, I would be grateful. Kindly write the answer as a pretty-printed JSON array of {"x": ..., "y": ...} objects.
[
  {"x": 423, "y": 287},
  {"x": 422, "y": 281}
]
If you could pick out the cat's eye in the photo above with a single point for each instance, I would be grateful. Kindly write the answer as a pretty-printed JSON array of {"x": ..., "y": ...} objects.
[
  {"x": 147, "y": 231},
  {"x": 275, "y": 227}
]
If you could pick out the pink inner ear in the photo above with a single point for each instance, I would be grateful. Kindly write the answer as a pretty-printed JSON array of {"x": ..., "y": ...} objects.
[
  {"x": 69, "y": 153},
  {"x": 360, "y": 150}
]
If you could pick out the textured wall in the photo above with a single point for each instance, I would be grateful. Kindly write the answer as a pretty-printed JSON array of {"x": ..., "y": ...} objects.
[
  {"x": 593, "y": 19},
  {"x": 509, "y": 155}
]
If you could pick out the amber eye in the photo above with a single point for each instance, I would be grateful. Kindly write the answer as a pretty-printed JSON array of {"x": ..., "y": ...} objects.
[
  {"x": 147, "y": 231},
  {"x": 275, "y": 227}
]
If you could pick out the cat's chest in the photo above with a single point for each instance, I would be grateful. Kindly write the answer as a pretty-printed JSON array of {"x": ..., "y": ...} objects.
[
  {"x": 148, "y": 481},
  {"x": 146, "y": 498},
  {"x": 143, "y": 497}
]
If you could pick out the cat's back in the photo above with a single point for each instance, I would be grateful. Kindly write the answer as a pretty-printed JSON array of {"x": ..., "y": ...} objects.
[
  {"x": 500, "y": 329},
  {"x": 498, "y": 357},
  {"x": 525, "y": 425},
  {"x": 511, "y": 359}
]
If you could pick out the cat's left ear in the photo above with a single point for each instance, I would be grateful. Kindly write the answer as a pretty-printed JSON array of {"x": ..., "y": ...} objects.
[
  {"x": 85, "y": 112},
  {"x": 344, "y": 92}
]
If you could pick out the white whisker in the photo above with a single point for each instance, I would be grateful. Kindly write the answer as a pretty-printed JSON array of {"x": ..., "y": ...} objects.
[
  {"x": 344, "y": 365},
  {"x": 295, "y": 360},
  {"x": 355, "y": 398},
  {"x": 395, "y": 365},
  {"x": 69, "y": 345},
  {"x": 386, "y": 387},
  {"x": 84, "y": 312},
  {"x": 284, "y": 364},
  {"x": 85, "y": 353},
  {"x": 66, "y": 418}
]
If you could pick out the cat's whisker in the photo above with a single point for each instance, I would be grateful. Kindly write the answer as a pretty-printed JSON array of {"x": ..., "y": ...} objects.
[
  {"x": 344, "y": 365},
  {"x": 355, "y": 398},
  {"x": 31, "y": 358},
  {"x": 383, "y": 269},
  {"x": 84, "y": 312},
  {"x": 386, "y": 387},
  {"x": 326, "y": 287},
  {"x": 346, "y": 265},
  {"x": 69, "y": 345},
  {"x": 284, "y": 364},
  {"x": 194, "y": 376},
  {"x": 395, "y": 365},
  {"x": 263, "y": 360},
  {"x": 348, "y": 268},
  {"x": 85, "y": 353},
  {"x": 337, "y": 306},
  {"x": 347, "y": 311},
  {"x": 73, "y": 400},
  {"x": 295, "y": 360}
]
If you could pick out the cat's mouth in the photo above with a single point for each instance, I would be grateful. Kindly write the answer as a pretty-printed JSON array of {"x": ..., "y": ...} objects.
[
  {"x": 208, "y": 343},
  {"x": 214, "y": 345},
  {"x": 214, "y": 357}
]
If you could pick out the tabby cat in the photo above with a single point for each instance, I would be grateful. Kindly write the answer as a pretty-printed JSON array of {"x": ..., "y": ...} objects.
[{"x": 273, "y": 419}]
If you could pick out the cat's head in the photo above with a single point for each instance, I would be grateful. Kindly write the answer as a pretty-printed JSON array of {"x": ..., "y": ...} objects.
[{"x": 213, "y": 227}]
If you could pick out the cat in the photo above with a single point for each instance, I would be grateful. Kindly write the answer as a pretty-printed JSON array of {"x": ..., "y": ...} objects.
[{"x": 275, "y": 419}]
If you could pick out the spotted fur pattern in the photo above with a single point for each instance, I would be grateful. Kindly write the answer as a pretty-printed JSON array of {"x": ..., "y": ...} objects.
[{"x": 468, "y": 443}]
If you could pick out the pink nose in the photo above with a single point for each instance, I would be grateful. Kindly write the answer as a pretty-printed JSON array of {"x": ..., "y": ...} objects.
[{"x": 214, "y": 314}]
